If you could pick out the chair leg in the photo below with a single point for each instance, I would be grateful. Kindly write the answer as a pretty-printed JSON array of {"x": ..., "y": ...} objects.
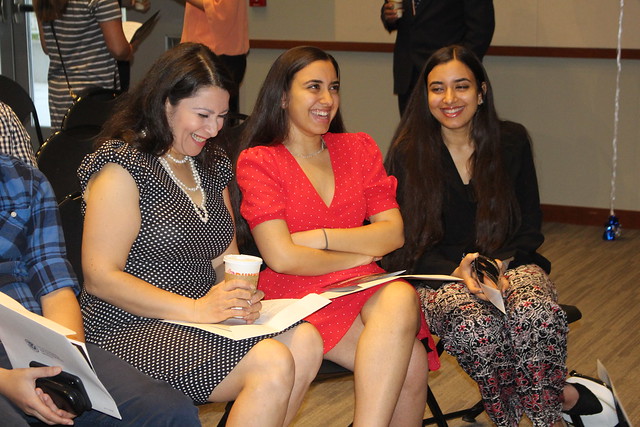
[
  {"x": 227, "y": 409},
  {"x": 473, "y": 412},
  {"x": 438, "y": 417}
]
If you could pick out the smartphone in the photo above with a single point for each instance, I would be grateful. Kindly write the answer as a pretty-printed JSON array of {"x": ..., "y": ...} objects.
[
  {"x": 485, "y": 267},
  {"x": 66, "y": 390}
]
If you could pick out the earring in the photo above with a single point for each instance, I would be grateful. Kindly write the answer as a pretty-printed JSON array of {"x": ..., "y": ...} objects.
[{"x": 480, "y": 101}]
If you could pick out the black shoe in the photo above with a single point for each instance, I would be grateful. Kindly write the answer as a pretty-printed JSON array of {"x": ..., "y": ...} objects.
[{"x": 587, "y": 404}]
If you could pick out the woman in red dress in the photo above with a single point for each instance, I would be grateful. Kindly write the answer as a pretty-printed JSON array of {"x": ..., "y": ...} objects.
[{"x": 321, "y": 209}]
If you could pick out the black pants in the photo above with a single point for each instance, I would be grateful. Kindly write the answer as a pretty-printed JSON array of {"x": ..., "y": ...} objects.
[{"x": 237, "y": 65}]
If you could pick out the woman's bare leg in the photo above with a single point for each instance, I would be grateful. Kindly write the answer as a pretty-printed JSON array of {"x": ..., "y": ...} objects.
[
  {"x": 413, "y": 396},
  {"x": 380, "y": 347},
  {"x": 260, "y": 384},
  {"x": 305, "y": 344}
]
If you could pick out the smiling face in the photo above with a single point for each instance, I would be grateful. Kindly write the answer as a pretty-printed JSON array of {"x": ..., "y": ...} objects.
[
  {"x": 195, "y": 119},
  {"x": 453, "y": 95},
  {"x": 312, "y": 100}
]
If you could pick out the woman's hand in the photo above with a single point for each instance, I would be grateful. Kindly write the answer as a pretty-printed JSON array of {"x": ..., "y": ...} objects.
[
  {"x": 18, "y": 385},
  {"x": 466, "y": 273},
  {"x": 227, "y": 299}
]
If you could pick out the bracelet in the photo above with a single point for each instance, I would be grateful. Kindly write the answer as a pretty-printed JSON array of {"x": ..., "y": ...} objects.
[{"x": 326, "y": 241}]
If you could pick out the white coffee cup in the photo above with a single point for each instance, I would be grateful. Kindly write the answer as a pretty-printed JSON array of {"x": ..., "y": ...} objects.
[
  {"x": 243, "y": 267},
  {"x": 397, "y": 6}
]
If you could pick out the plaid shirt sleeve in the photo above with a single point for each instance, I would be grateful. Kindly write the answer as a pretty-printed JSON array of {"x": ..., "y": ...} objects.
[
  {"x": 14, "y": 139},
  {"x": 32, "y": 252}
]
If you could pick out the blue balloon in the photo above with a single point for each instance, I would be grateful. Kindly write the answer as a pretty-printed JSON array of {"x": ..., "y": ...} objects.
[{"x": 612, "y": 228}]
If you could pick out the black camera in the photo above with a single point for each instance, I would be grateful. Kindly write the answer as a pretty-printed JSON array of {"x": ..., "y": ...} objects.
[
  {"x": 66, "y": 390},
  {"x": 487, "y": 267}
]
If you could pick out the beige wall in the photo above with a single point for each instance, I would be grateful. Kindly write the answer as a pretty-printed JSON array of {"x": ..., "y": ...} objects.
[{"x": 567, "y": 104}]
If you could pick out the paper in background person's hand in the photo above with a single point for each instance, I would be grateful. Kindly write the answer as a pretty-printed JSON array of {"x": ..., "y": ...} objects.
[{"x": 135, "y": 31}]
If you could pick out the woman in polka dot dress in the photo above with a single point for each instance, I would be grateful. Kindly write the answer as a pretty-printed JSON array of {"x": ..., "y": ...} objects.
[
  {"x": 307, "y": 189},
  {"x": 157, "y": 223}
]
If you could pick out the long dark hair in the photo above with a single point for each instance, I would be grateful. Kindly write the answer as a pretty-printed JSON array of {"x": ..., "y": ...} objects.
[
  {"x": 415, "y": 158},
  {"x": 49, "y": 10},
  {"x": 140, "y": 117},
  {"x": 268, "y": 124}
]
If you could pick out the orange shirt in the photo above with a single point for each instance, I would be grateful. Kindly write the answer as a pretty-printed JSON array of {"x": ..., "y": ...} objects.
[{"x": 222, "y": 26}]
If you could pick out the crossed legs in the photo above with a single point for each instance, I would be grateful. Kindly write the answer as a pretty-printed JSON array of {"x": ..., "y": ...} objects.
[{"x": 389, "y": 364}]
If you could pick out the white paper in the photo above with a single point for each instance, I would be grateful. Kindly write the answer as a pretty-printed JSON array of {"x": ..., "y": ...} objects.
[
  {"x": 361, "y": 283},
  {"x": 275, "y": 316},
  {"x": 29, "y": 337},
  {"x": 604, "y": 376},
  {"x": 494, "y": 295},
  {"x": 130, "y": 28}
]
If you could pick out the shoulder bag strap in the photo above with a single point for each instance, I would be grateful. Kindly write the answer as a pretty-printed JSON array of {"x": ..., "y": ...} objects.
[{"x": 64, "y": 69}]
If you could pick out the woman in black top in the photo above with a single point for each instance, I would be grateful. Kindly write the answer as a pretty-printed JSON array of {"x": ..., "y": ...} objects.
[{"x": 467, "y": 184}]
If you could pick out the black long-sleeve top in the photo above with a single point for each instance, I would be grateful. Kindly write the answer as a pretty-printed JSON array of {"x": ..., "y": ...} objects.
[{"x": 459, "y": 211}]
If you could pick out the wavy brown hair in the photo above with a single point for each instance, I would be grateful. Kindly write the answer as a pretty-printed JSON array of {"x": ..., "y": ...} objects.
[
  {"x": 140, "y": 117},
  {"x": 49, "y": 10},
  {"x": 415, "y": 158}
]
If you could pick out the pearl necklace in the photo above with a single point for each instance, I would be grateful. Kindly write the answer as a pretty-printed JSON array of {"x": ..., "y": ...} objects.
[
  {"x": 308, "y": 156},
  {"x": 174, "y": 160},
  {"x": 201, "y": 210}
]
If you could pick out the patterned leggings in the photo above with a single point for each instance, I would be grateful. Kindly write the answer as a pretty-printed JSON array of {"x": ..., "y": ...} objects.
[{"x": 518, "y": 360}]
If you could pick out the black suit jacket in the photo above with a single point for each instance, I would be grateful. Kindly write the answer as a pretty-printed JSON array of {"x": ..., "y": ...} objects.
[{"x": 437, "y": 23}]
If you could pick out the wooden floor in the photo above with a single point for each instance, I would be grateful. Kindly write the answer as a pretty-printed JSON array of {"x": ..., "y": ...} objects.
[{"x": 601, "y": 278}]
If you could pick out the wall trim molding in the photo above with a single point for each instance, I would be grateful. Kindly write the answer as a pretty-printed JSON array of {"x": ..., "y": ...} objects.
[
  {"x": 530, "y": 51},
  {"x": 589, "y": 216}
]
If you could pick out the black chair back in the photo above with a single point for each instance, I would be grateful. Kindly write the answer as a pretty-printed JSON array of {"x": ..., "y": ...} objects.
[
  {"x": 60, "y": 156},
  {"x": 72, "y": 221},
  {"x": 14, "y": 95},
  {"x": 92, "y": 108}
]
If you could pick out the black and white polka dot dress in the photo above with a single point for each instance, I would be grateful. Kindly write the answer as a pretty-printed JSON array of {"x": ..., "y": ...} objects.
[{"x": 173, "y": 251}]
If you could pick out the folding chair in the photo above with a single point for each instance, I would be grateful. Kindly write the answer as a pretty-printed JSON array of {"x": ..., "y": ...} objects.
[
  {"x": 92, "y": 108},
  {"x": 61, "y": 155},
  {"x": 14, "y": 95},
  {"x": 72, "y": 222}
]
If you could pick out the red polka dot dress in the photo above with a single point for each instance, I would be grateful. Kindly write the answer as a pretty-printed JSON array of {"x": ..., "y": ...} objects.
[{"x": 275, "y": 187}]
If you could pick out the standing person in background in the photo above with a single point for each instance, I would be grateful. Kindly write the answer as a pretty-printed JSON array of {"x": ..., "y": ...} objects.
[
  {"x": 14, "y": 139},
  {"x": 124, "y": 67},
  {"x": 83, "y": 40},
  {"x": 221, "y": 25},
  {"x": 425, "y": 26}
]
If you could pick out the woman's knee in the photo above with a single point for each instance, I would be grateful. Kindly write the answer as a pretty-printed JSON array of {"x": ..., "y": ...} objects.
[
  {"x": 308, "y": 345},
  {"x": 271, "y": 365},
  {"x": 406, "y": 305}
]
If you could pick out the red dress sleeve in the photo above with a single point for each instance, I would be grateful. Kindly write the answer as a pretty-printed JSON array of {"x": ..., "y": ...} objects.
[
  {"x": 379, "y": 188},
  {"x": 260, "y": 181}
]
